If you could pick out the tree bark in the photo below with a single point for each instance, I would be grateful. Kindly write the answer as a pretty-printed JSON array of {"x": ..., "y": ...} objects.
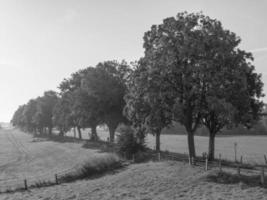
[
  {"x": 191, "y": 144},
  {"x": 112, "y": 134},
  {"x": 211, "y": 146},
  {"x": 79, "y": 132},
  {"x": 93, "y": 133},
  {"x": 61, "y": 133},
  {"x": 112, "y": 128},
  {"x": 35, "y": 131},
  {"x": 158, "y": 141},
  {"x": 41, "y": 131},
  {"x": 74, "y": 132},
  {"x": 50, "y": 130}
]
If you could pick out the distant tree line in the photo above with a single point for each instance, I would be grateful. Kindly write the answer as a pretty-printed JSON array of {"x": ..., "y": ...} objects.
[
  {"x": 192, "y": 72},
  {"x": 90, "y": 97}
]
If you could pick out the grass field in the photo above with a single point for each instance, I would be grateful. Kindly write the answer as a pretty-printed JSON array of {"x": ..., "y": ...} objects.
[
  {"x": 251, "y": 148},
  {"x": 147, "y": 181},
  {"x": 23, "y": 156}
]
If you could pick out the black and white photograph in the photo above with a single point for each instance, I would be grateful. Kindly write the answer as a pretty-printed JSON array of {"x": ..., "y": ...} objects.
[{"x": 133, "y": 100}]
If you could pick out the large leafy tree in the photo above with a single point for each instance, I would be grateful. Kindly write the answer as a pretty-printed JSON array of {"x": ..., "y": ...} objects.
[
  {"x": 18, "y": 118},
  {"x": 147, "y": 106},
  {"x": 45, "y": 108},
  {"x": 68, "y": 88},
  {"x": 36, "y": 115},
  {"x": 106, "y": 85},
  {"x": 62, "y": 117},
  {"x": 28, "y": 114},
  {"x": 199, "y": 63},
  {"x": 173, "y": 50},
  {"x": 86, "y": 111},
  {"x": 235, "y": 98}
]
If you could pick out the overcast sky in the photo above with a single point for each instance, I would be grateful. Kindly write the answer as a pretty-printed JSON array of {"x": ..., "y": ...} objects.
[{"x": 44, "y": 41}]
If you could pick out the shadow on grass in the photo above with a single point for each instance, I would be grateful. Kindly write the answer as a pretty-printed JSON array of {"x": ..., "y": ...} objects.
[
  {"x": 109, "y": 164},
  {"x": 56, "y": 138},
  {"x": 229, "y": 178},
  {"x": 100, "y": 145}
]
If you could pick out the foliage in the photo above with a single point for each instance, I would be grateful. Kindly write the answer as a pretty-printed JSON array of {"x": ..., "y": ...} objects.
[
  {"x": 45, "y": 107},
  {"x": 192, "y": 72},
  {"x": 147, "y": 106},
  {"x": 62, "y": 117},
  {"x": 107, "y": 84},
  {"x": 202, "y": 70},
  {"x": 85, "y": 109},
  {"x": 36, "y": 115},
  {"x": 94, "y": 167},
  {"x": 129, "y": 143}
]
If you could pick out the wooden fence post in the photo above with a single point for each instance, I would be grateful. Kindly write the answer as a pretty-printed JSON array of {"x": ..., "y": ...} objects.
[
  {"x": 56, "y": 179},
  {"x": 262, "y": 175},
  {"x": 238, "y": 170},
  {"x": 235, "y": 152},
  {"x": 25, "y": 184},
  {"x": 206, "y": 162},
  {"x": 220, "y": 162},
  {"x": 265, "y": 158}
]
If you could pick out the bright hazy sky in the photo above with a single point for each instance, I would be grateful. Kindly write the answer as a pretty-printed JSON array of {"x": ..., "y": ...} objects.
[{"x": 44, "y": 41}]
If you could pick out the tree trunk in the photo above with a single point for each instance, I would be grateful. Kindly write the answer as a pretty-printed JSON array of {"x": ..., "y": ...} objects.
[
  {"x": 61, "y": 133},
  {"x": 74, "y": 132},
  {"x": 211, "y": 146},
  {"x": 112, "y": 128},
  {"x": 79, "y": 132},
  {"x": 41, "y": 131},
  {"x": 35, "y": 131},
  {"x": 158, "y": 141},
  {"x": 191, "y": 144},
  {"x": 93, "y": 133},
  {"x": 50, "y": 130},
  {"x": 112, "y": 135}
]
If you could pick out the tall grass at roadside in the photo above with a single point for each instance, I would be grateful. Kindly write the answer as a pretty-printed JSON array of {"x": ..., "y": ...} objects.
[{"x": 93, "y": 168}]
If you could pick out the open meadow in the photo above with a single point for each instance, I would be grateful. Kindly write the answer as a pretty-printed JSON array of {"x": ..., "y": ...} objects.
[
  {"x": 251, "y": 148},
  {"x": 24, "y": 156},
  {"x": 147, "y": 181}
]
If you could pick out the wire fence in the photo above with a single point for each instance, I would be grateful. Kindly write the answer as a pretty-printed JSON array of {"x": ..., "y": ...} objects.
[
  {"x": 246, "y": 161},
  {"x": 219, "y": 163},
  {"x": 46, "y": 179},
  {"x": 16, "y": 184}
]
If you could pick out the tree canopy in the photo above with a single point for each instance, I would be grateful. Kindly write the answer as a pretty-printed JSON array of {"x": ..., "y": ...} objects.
[
  {"x": 192, "y": 72},
  {"x": 202, "y": 68}
]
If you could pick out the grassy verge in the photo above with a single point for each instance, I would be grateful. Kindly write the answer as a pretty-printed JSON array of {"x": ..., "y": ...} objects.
[
  {"x": 230, "y": 178},
  {"x": 94, "y": 168}
]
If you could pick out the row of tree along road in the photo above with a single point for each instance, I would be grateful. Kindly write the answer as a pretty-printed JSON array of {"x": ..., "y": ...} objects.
[{"x": 192, "y": 72}]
